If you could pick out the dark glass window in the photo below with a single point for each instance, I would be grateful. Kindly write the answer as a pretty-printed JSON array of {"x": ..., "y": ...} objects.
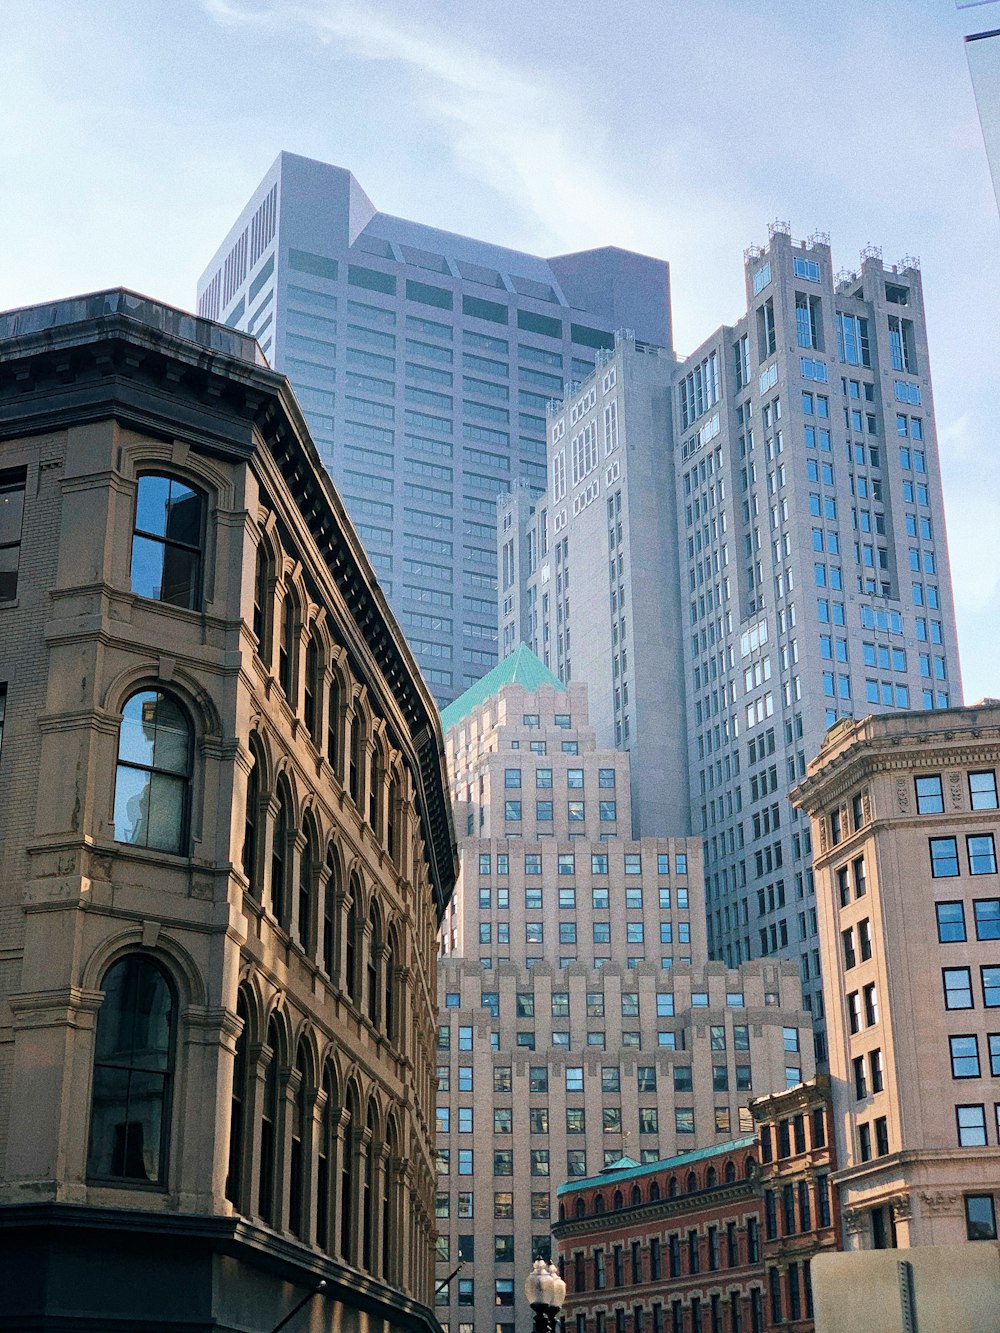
[
  {"x": 133, "y": 1065},
  {"x": 980, "y": 1217},
  {"x": 11, "y": 514},
  {"x": 950, "y": 922},
  {"x": 168, "y": 541},
  {"x": 153, "y": 779}
]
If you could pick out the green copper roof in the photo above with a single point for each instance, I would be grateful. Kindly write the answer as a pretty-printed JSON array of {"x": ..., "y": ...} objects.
[
  {"x": 522, "y": 667},
  {"x": 616, "y": 1174}
]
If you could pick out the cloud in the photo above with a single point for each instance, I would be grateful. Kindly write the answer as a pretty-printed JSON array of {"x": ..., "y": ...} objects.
[{"x": 523, "y": 133}]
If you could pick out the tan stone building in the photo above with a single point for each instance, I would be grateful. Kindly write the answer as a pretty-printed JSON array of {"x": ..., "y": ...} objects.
[
  {"x": 226, "y": 847},
  {"x": 580, "y": 1017},
  {"x": 905, "y": 828}
]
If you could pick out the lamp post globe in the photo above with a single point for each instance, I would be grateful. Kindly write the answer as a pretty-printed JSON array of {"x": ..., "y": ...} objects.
[{"x": 546, "y": 1292}]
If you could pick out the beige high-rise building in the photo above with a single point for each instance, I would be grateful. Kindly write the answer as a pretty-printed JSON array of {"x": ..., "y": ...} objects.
[
  {"x": 581, "y": 1021},
  {"x": 905, "y": 829},
  {"x": 226, "y": 848}
]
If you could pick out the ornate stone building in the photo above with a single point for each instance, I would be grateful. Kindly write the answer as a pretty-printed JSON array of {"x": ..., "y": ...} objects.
[
  {"x": 905, "y": 824},
  {"x": 227, "y": 848}
]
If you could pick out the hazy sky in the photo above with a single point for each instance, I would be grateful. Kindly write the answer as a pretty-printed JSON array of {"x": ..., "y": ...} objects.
[{"x": 135, "y": 130}]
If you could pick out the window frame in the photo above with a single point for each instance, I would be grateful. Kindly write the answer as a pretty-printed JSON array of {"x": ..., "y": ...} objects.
[{"x": 197, "y": 595}]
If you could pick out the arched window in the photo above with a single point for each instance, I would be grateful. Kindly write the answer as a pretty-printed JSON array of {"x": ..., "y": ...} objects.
[
  {"x": 599, "y": 1203},
  {"x": 296, "y": 1162},
  {"x": 371, "y": 966},
  {"x": 368, "y": 1200},
  {"x": 636, "y": 1195},
  {"x": 323, "y": 1160},
  {"x": 356, "y": 759},
  {"x": 672, "y": 1188},
  {"x": 748, "y": 1168},
  {"x": 307, "y": 871},
  {"x": 133, "y": 1070},
  {"x": 330, "y": 916},
  {"x": 375, "y": 792},
  {"x": 619, "y": 1201},
  {"x": 389, "y": 989},
  {"x": 347, "y": 1182},
  {"x": 251, "y": 822},
  {"x": 579, "y": 1209},
  {"x": 387, "y": 1187},
  {"x": 711, "y": 1178},
  {"x": 333, "y": 725},
  {"x": 654, "y": 1191},
  {"x": 350, "y": 946},
  {"x": 730, "y": 1172},
  {"x": 279, "y": 860},
  {"x": 153, "y": 780},
  {"x": 168, "y": 541},
  {"x": 391, "y": 815},
  {"x": 313, "y": 688},
  {"x": 287, "y": 656},
  {"x": 263, "y": 600},
  {"x": 692, "y": 1182},
  {"x": 234, "y": 1179},
  {"x": 269, "y": 1128}
]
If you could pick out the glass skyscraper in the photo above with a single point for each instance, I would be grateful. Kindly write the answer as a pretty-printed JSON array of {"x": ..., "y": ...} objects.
[{"x": 423, "y": 361}]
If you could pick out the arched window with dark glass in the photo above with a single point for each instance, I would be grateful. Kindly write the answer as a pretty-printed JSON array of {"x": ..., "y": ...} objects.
[
  {"x": 287, "y": 656},
  {"x": 368, "y": 1200},
  {"x": 297, "y": 1156},
  {"x": 371, "y": 966},
  {"x": 351, "y": 944},
  {"x": 711, "y": 1178},
  {"x": 356, "y": 759},
  {"x": 333, "y": 725},
  {"x": 347, "y": 1227},
  {"x": 391, "y": 815},
  {"x": 153, "y": 778},
  {"x": 307, "y": 873},
  {"x": 324, "y": 1158},
  {"x": 263, "y": 601},
  {"x": 730, "y": 1172},
  {"x": 375, "y": 792},
  {"x": 133, "y": 1071},
  {"x": 168, "y": 541},
  {"x": 389, "y": 988},
  {"x": 279, "y": 860},
  {"x": 312, "y": 689},
  {"x": 237, "y": 1104},
  {"x": 269, "y": 1129},
  {"x": 251, "y": 822},
  {"x": 692, "y": 1182},
  {"x": 329, "y": 946},
  {"x": 654, "y": 1191},
  {"x": 389, "y": 1232}
]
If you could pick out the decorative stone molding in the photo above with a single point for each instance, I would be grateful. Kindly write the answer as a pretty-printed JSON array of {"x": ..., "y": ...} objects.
[
  {"x": 902, "y": 1208},
  {"x": 902, "y": 796},
  {"x": 940, "y": 1203}
]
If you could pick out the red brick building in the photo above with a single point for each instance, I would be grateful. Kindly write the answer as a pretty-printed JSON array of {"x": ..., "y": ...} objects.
[{"x": 714, "y": 1241}]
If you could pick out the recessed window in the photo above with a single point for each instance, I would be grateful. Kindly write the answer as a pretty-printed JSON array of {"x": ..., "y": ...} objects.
[
  {"x": 980, "y": 1217},
  {"x": 930, "y": 795},
  {"x": 964, "y": 1056},
  {"x": 12, "y": 485},
  {"x": 991, "y": 986},
  {"x": 133, "y": 1064},
  {"x": 971, "y": 1122},
  {"x": 987, "y": 912},
  {"x": 950, "y": 922},
  {"x": 957, "y": 987},
  {"x": 153, "y": 778},
  {"x": 944, "y": 858},
  {"x": 983, "y": 790},
  {"x": 982, "y": 854},
  {"x": 167, "y": 541}
]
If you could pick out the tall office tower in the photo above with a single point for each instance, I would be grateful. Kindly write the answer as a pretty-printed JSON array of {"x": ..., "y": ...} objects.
[
  {"x": 904, "y": 812},
  {"x": 982, "y": 46},
  {"x": 609, "y": 518},
  {"x": 813, "y": 567},
  {"x": 423, "y": 362},
  {"x": 580, "y": 1019}
]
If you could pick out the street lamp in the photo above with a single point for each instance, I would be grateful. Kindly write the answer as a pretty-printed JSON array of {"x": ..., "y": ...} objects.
[{"x": 546, "y": 1292}]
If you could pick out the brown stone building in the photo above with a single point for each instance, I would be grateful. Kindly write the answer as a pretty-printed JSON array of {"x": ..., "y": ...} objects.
[
  {"x": 226, "y": 844},
  {"x": 715, "y": 1241},
  {"x": 905, "y": 825}
]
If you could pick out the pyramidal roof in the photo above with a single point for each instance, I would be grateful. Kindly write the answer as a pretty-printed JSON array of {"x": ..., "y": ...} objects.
[{"x": 522, "y": 667}]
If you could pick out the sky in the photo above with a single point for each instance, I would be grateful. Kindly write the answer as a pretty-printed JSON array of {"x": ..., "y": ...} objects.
[{"x": 134, "y": 133}]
